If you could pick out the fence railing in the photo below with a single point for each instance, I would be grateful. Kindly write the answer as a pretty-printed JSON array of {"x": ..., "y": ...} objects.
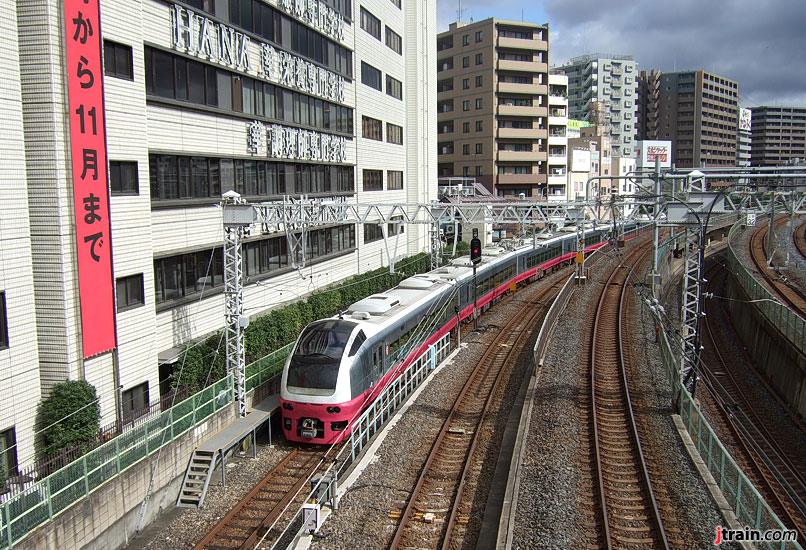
[
  {"x": 374, "y": 417},
  {"x": 44, "y": 499},
  {"x": 750, "y": 508},
  {"x": 788, "y": 323}
]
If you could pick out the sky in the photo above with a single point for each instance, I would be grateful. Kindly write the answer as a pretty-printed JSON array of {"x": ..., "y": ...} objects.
[{"x": 761, "y": 44}]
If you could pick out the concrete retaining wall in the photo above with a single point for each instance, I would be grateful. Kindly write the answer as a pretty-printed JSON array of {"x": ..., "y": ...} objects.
[{"x": 783, "y": 367}]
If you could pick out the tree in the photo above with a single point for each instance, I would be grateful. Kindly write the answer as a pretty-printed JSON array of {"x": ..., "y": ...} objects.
[{"x": 71, "y": 415}]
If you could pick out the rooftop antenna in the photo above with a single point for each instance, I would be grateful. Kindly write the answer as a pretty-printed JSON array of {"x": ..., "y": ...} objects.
[{"x": 460, "y": 12}]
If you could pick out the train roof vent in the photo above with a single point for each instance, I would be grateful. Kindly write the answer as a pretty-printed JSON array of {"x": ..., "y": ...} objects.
[
  {"x": 363, "y": 315},
  {"x": 377, "y": 304},
  {"x": 492, "y": 251},
  {"x": 418, "y": 282},
  {"x": 464, "y": 261}
]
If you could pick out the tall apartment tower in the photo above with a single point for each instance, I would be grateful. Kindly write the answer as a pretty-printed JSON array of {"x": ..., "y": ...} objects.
[
  {"x": 493, "y": 105},
  {"x": 558, "y": 137},
  {"x": 648, "y": 94},
  {"x": 330, "y": 99},
  {"x": 778, "y": 135},
  {"x": 698, "y": 112},
  {"x": 610, "y": 81}
]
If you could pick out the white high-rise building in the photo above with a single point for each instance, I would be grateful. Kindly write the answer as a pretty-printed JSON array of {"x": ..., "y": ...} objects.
[
  {"x": 612, "y": 81},
  {"x": 558, "y": 139},
  {"x": 270, "y": 99}
]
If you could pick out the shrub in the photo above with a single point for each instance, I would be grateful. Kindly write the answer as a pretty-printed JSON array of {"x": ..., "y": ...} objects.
[
  {"x": 281, "y": 326},
  {"x": 70, "y": 416}
]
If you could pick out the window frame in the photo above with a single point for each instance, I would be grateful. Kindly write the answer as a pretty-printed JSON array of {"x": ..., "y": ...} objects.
[
  {"x": 115, "y": 177},
  {"x": 128, "y": 301},
  {"x": 394, "y": 180},
  {"x": 396, "y": 87},
  {"x": 369, "y": 20},
  {"x": 112, "y": 69},
  {"x": 368, "y": 126},
  {"x": 393, "y": 40},
  {"x": 371, "y": 180},
  {"x": 392, "y": 133},
  {"x": 4, "y": 339},
  {"x": 369, "y": 74}
]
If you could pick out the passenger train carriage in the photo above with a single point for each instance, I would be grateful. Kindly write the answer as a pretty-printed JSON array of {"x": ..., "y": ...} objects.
[{"x": 339, "y": 365}]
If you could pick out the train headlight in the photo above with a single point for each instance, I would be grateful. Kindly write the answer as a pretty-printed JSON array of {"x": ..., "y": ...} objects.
[
  {"x": 333, "y": 410},
  {"x": 288, "y": 406},
  {"x": 287, "y": 423}
]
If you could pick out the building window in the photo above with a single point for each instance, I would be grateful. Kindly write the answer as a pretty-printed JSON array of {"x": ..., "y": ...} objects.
[
  {"x": 372, "y": 128},
  {"x": 479, "y": 170},
  {"x": 465, "y": 127},
  {"x": 394, "y": 133},
  {"x": 466, "y": 40},
  {"x": 479, "y": 81},
  {"x": 8, "y": 452},
  {"x": 479, "y": 125},
  {"x": 465, "y": 83},
  {"x": 135, "y": 401},
  {"x": 478, "y": 103},
  {"x": 394, "y": 179},
  {"x": 466, "y": 171},
  {"x": 123, "y": 177},
  {"x": 479, "y": 148},
  {"x": 395, "y": 228},
  {"x": 372, "y": 232},
  {"x": 371, "y": 76},
  {"x": 370, "y": 23},
  {"x": 394, "y": 87},
  {"x": 129, "y": 292},
  {"x": 466, "y": 149},
  {"x": 445, "y": 64},
  {"x": 3, "y": 322},
  {"x": 394, "y": 41},
  {"x": 479, "y": 58},
  {"x": 445, "y": 106},
  {"x": 466, "y": 61},
  {"x": 479, "y": 36},
  {"x": 373, "y": 180},
  {"x": 445, "y": 85},
  {"x": 118, "y": 60},
  {"x": 396, "y": 3},
  {"x": 466, "y": 105}
]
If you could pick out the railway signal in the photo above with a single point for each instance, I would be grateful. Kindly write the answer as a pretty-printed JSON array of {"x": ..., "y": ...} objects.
[{"x": 475, "y": 248}]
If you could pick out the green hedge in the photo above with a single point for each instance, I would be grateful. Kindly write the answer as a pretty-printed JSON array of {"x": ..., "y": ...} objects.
[
  {"x": 70, "y": 416},
  {"x": 281, "y": 326}
]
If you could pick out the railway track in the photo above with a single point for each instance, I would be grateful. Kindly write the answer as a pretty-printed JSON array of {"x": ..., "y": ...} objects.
[
  {"x": 436, "y": 513},
  {"x": 778, "y": 466},
  {"x": 799, "y": 236},
  {"x": 789, "y": 294},
  {"x": 266, "y": 510},
  {"x": 626, "y": 509}
]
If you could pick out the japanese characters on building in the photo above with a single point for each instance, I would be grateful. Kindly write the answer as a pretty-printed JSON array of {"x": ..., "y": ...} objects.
[
  {"x": 90, "y": 186},
  {"x": 316, "y": 14},
  {"x": 284, "y": 142},
  {"x": 199, "y": 36}
]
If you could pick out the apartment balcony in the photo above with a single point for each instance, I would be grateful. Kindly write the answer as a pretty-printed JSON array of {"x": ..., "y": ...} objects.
[
  {"x": 616, "y": 71},
  {"x": 616, "y": 94},
  {"x": 521, "y": 156},
  {"x": 558, "y": 120},
  {"x": 515, "y": 88},
  {"x": 517, "y": 110},
  {"x": 521, "y": 179},
  {"x": 558, "y": 140},
  {"x": 557, "y": 181},
  {"x": 522, "y": 43},
  {"x": 520, "y": 133},
  {"x": 526, "y": 66}
]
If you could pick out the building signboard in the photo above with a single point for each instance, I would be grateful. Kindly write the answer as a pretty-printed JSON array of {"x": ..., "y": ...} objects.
[
  {"x": 580, "y": 160},
  {"x": 650, "y": 150},
  {"x": 85, "y": 77},
  {"x": 196, "y": 35},
  {"x": 284, "y": 142},
  {"x": 745, "y": 119}
]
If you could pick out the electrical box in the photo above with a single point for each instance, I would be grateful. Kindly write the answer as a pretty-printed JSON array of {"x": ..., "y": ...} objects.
[{"x": 311, "y": 517}]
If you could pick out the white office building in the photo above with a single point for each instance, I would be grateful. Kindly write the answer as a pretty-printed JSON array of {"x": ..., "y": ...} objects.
[{"x": 331, "y": 98}]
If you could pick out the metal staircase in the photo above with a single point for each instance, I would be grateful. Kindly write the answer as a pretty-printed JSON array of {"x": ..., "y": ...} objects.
[{"x": 197, "y": 478}]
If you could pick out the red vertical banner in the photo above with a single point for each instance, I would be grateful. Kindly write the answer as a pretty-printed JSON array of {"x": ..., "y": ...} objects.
[{"x": 90, "y": 185}]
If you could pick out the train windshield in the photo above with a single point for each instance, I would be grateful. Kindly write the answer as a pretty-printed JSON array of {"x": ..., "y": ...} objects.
[{"x": 315, "y": 363}]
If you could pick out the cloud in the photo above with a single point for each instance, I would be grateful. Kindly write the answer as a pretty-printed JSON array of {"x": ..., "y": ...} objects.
[{"x": 759, "y": 44}]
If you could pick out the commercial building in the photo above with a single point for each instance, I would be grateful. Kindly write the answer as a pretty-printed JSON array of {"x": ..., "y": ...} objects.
[
  {"x": 493, "y": 105},
  {"x": 602, "y": 89},
  {"x": 698, "y": 112},
  {"x": 187, "y": 101},
  {"x": 778, "y": 135}
]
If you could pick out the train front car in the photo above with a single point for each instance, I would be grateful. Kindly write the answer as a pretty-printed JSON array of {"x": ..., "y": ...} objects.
[{"x": 315, "y": 394}]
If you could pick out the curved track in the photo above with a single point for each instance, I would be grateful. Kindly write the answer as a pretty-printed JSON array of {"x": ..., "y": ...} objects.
[
  {"x": 260, "y": 513},
  {"x": 789, "y": 295},
  {"x": 799, "y": 236},
  {"x": 628, "y": 510},
  {"x": 754, "y": 429},
  {"x": 434, "y": 516}
]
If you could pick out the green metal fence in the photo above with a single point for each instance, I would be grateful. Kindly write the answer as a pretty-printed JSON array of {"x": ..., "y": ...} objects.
[
  {"x": 745, "y": 500},
  {"x": 45, "y": 499},
  {"x": 788, "y": 323}
]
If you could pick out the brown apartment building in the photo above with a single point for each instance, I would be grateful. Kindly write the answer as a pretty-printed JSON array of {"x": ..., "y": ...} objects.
[
  {"x": 699, "y": 113},
  {"x": 492, "y": 105}
]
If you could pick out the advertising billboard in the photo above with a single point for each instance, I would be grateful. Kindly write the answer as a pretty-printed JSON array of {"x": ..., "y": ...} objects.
[
  {"x": 745, "y": 119},
  {"x": 580, "y": 160},
  {"x": 650, "y": 150}
]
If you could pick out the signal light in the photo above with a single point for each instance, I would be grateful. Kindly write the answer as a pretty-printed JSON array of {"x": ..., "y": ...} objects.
[{"x": 475, "y": 250}]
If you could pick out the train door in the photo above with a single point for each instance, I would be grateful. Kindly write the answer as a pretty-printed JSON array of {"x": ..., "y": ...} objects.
[{"x": 378, "y": 361}]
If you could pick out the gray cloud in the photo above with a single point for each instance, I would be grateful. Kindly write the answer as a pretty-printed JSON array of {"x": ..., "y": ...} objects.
[{"x": 759, "y": 44}]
